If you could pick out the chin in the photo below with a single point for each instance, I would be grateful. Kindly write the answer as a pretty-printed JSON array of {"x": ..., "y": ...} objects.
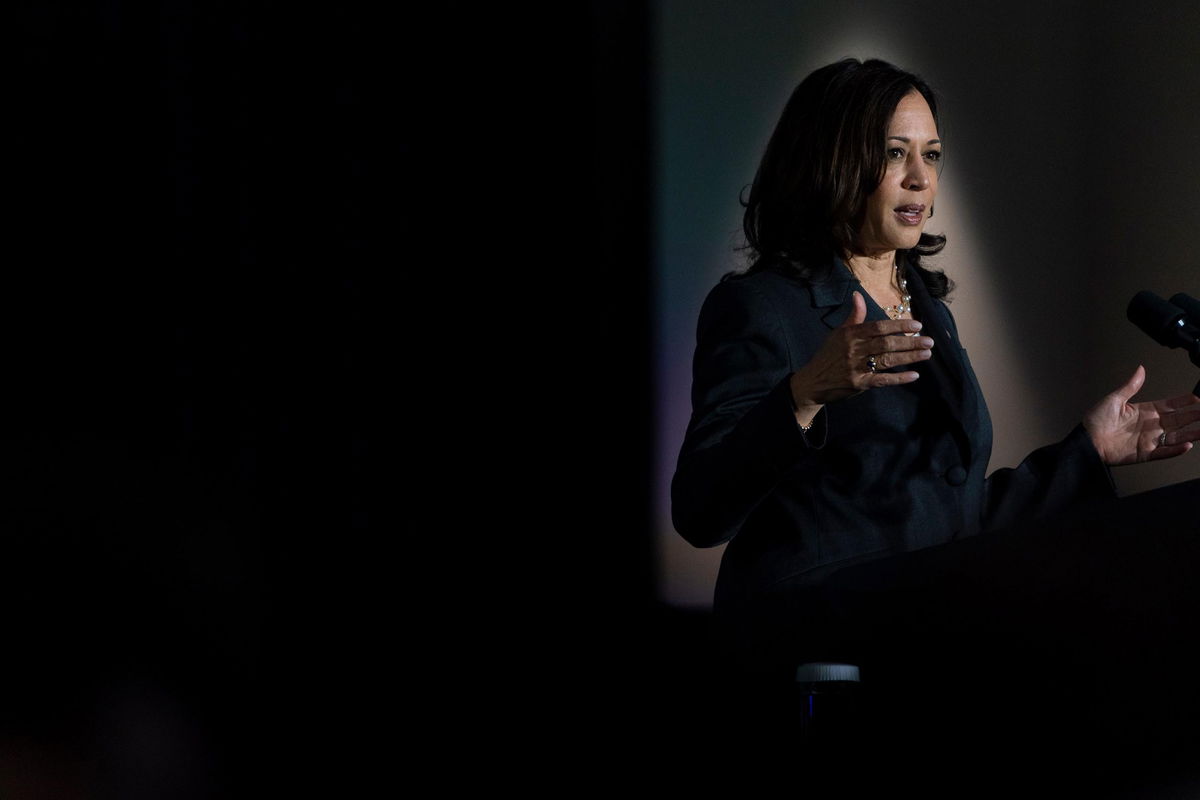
[{"x": 910, "y": 241}]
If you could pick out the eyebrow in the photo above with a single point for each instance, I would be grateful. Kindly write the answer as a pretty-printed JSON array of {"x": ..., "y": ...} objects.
[{"x": 906, "y": 140}]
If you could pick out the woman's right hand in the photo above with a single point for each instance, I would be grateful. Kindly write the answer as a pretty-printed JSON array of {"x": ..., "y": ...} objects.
[{"x": 842, "y": 368}]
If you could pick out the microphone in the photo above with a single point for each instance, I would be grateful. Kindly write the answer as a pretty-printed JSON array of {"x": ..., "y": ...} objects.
[
  {"x": 1165, "y": 323},
  {"x": 1189, "y": 304}
]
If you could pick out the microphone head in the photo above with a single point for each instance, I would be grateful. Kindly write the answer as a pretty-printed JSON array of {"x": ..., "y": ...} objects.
[
  {"x": 1159, "y": 319},
  {"x": 1190, "y": 306}
]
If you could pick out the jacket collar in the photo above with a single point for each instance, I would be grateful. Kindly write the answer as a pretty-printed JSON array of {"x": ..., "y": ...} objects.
[
  {"x": 946, "y": 369},
  {"x": 833, "y": 292}
]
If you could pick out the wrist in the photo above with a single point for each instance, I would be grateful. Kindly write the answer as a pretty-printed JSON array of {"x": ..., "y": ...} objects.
[
  {"x": 803, "y": 407},
  {"x": 806, "y": 416},
  {"x": 1097, "y": 441}
]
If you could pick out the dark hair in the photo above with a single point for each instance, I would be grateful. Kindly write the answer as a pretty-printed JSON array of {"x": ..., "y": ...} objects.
[{"x": 826, "y": 156}]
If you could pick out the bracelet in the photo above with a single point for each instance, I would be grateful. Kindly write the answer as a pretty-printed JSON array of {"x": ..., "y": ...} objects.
[{"x": 803, "y": 428}]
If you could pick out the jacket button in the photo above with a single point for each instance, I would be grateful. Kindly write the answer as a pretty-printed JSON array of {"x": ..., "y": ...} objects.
[{"x": 956, "y": 476}]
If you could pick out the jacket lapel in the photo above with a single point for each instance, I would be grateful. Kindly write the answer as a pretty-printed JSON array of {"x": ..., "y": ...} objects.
[
  {"x": 946, "y": 369},
  {"x": 833, "y": 294}
]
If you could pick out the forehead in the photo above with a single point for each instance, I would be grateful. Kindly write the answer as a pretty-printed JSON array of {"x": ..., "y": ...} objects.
[{"x": 912, "y": 114}]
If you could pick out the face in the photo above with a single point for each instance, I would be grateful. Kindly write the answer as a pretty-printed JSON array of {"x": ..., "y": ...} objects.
[{"x": 896, "y": 211}]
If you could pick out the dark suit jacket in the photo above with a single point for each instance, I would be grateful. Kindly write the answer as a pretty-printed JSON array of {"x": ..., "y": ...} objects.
[{"x": 886, "y": 471}]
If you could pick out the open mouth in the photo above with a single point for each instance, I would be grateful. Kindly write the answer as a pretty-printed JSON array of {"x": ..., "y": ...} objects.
[{"x": 911, "y": 214}]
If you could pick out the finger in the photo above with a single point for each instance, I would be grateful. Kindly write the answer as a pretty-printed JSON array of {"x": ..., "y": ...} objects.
[
  {"x": 898, "y": 344},
  {"x": 1177, "y": 402},
  {"x": 883, "y": 379},
  {"x": 888, "y": 327},
  {"x": 858, "y": 313},
  {"x": 1178, "y": 437},
  {"x": 1169, "y": 451},
  {"x": 1180, "y": 419},
  {"x": 1131, "y": 386},
  {"x": 897, "y": 359}
]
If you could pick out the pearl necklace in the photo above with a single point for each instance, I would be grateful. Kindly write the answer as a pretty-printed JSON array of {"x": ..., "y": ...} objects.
[{"x": 905, "y": 307}]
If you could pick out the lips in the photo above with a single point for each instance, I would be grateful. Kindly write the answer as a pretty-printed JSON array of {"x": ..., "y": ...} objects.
[{"x": 913, "y": 214}]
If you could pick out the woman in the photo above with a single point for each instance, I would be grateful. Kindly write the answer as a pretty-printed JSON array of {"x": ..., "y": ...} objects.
[{"x": 836, "y": 418}]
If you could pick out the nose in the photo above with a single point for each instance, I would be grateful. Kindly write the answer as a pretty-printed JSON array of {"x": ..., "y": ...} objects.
[{"x": 917, "y": 176}]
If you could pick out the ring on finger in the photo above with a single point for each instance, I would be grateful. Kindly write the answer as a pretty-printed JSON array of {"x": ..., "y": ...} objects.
[
  {"x": 1162, "y": 439},
  {"x": 871, "y": 365}
]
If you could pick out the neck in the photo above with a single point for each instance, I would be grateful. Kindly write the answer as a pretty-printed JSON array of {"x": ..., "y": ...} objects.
[
  {"x": 875, "y": 263},
  {"x": 873, "y": 270}
]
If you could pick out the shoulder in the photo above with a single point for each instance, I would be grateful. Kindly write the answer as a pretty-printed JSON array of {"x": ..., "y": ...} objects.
[
  {"x": 759, "y": 296},
  {"x": 763, "y": 312}
]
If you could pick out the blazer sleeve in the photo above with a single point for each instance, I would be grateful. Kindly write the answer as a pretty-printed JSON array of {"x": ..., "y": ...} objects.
[
  {"x": 1050, "y": 480},
  {"x": 743, "y": 436}
]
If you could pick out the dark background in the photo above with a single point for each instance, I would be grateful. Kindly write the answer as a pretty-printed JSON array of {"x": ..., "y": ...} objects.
[
  {"x": 181, "y": 418},
  {"x": 533, "y": 194}
]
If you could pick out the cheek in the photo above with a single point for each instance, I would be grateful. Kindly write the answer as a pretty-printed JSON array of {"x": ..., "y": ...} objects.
[{"x": 877, "y": 206}]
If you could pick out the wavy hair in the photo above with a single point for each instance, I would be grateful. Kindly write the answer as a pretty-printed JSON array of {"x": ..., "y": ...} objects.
[{"x": 825, "y": 157}]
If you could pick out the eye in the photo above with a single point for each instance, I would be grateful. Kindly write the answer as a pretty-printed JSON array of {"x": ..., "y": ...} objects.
[
  {"x": 933, "y": 156},
  {"x": 895, "y": 154}
]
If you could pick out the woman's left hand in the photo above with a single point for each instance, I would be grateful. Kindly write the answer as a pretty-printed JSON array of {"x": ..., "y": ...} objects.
[{"x": 1128, "y": 433}]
